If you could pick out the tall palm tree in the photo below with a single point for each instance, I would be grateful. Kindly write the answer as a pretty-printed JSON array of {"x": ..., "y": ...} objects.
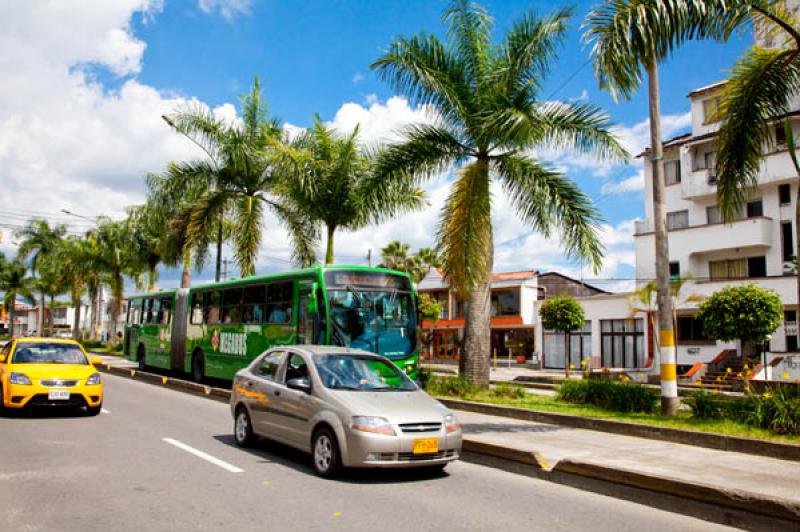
[
  {"x": 14, "y": 283},
  {"x": 241, "y": 181},
  {"x": 117, "y": 259},
  {"x": 486, "y": 121},
  {"x": 76, "y": 266},
  {"x": 39, "y": 241},
  {"x": 328, "y": 181},
  {"x": 395, "y": 255}
]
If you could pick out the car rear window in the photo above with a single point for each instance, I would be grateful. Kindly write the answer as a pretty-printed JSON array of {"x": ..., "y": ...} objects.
[{"x": 49, "y": 354}]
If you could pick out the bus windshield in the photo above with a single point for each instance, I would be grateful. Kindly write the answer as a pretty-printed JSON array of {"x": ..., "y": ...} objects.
[{"x": 375, "y": 312}]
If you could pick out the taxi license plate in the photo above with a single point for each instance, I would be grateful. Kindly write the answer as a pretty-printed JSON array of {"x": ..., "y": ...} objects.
[
  {"x": 426, "y": 446},
  {"x": 58, "y": 395}
]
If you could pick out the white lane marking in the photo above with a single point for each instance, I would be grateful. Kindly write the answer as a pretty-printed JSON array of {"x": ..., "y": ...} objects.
[
  {"x": 103, "y": 410},
  {"x": 205, "y": 456}
]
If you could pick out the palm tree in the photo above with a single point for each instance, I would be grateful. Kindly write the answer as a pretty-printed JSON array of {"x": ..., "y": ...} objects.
[
  {"x": 486, "y": 121},
  {"x": 395, "y": 255},
  {"x": 14, "y": 283},
  {"x": 240, "y": 180},
  {"x": 77, "y": 265},
  {"x": 116, "y": 259},
  {"x": 328, "y": 181},
  {"x": 39, "y": 241}
]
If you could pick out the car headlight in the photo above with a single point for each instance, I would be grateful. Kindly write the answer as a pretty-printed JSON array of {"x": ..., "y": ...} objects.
[
  {"x": 376, "y": 425},
  {"x": 451, "y": 424},
  {"x": 93, "y": 379},
  {"x": 19, "y": 378}
]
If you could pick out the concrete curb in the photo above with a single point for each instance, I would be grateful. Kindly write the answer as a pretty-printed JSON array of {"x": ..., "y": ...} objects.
[
  {"x": 219, "y": 394},
  {"x": 731, "y": 498},
  {"x": 530, "y": 458},
  {"x": 770, "y": 449}
]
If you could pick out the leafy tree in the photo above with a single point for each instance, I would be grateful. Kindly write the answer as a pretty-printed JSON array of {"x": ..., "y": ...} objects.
[
  {"x": 328, "y": 181},
  {"x": 429, "y": 310},
  {"x": 14, "y": 283},
  {"x": 116, "y": 259},
  {"x": 748, "y": 313},
  {"x": 563, "y": 314},
  {"x": 240, "y": 180},
  {"x": 486, "y": 122},
  {"x": 39, "y": 241},
  {"x": 397, "y": 256},
  {"x": 77, "y": 265}
]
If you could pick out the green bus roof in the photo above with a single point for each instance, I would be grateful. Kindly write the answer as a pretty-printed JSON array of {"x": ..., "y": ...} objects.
[{"x": 159, "y": 292}]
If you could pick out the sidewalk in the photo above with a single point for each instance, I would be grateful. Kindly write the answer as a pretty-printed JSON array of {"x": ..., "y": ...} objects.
[{"x": 725, "y": 470}]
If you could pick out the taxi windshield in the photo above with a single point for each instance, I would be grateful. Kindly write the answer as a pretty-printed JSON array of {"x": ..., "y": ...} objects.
[
  {"x": 49, "y": 354},
  {"x": 361, "y": 373}
]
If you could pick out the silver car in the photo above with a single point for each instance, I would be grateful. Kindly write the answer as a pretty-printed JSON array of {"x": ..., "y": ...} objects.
[{"x": 347, "y": 407}]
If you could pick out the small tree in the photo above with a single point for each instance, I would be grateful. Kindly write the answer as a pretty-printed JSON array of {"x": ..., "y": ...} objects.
[
  {"x": 429, "y": 310},
  {"x": 748, "y": 313},
  {"x": 563, "y": 314}
]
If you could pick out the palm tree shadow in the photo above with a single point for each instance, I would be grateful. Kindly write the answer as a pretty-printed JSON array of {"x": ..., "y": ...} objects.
[{"x": 271, "y": 452}]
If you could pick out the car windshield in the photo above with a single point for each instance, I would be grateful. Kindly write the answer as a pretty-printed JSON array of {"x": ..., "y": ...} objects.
[
  {"x": 361, "y": 373},
  {"x": 49, "y": 354}
]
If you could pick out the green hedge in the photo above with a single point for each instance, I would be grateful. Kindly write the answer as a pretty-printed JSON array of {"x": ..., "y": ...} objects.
[
  {"x": 608, "y": 394},
  {"x": 775, "y": 410}
]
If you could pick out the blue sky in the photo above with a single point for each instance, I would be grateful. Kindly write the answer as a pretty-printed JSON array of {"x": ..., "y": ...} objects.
[{"x": 312, "y": 57}]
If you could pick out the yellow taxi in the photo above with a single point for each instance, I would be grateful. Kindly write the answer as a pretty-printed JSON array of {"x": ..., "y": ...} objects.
[{"x": 49, "y": 372}]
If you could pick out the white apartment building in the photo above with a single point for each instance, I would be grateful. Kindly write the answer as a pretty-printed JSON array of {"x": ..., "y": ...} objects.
[{"x": 755, "y": 248}]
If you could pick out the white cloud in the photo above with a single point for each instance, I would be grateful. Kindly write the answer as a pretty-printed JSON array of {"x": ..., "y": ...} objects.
[
  {"x": 358, "y": 77},
  {"x": 634, "y": 183},
  {"x": 66, "y": 141},
  {"x": 584, "y": 96},
  {"x": 229, "y": 9}
]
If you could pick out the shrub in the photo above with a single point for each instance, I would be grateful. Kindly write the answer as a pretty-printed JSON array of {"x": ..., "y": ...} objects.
[
  {"x": 423, "y": 376},
  {"x": 617, "y": 396},
  {"x": 92, "y": 344},
  {"x": 774, "y": 410},
  {"x": 705, "y": 406},
  {"x": 450, "y": 386},
  {"x": 509, "y": 391}
]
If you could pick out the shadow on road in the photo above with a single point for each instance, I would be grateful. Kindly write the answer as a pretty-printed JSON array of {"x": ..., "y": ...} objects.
[
  {"x": 272, "y": 452},
  {"x": 57, "y": 412}
]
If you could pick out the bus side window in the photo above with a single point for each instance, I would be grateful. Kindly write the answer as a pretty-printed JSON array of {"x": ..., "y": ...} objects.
[
  {"x": 212, "y": 307},
  {"x": 232, "y": 308},
  {"x": 147, "y": 310},
  {"x": 155, "y": 316},
  {"x": 166, "y": 311},
  {"x": 137, "y": 312},
  {"x": 197, "y": 308},
  {"x": 279, "y": 302},
  {"x": 253, "y": 311}
]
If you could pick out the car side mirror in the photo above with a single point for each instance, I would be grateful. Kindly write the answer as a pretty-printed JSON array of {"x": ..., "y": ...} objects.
[
  {"x": 303, "y": 384},
  {"x": 96, "y": 361},
  {"x": 2, "y": 358}
]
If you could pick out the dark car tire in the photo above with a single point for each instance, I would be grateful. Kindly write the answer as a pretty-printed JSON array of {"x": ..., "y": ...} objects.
[
  {"x": 325, "y": 456},
  {"x": 243, "y": 428},
  {"x": 198, "y": 368},
  {"x": 92, "y": 411}
]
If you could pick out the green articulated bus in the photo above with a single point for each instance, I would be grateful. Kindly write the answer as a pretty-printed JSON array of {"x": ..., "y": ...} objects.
[{"x": 216, "y": 329}]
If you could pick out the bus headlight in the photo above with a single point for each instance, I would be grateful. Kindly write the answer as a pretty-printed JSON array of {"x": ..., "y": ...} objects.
[{"x": 410, "y": 367}]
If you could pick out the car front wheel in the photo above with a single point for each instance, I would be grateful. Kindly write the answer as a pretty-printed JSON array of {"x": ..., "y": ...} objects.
[{"x": 325, "y": 454}]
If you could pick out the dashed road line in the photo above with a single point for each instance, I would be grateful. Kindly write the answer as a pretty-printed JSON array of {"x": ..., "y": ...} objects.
[
  {"x": 205, "y": 456},
  {"x": 104, "y": 411}
]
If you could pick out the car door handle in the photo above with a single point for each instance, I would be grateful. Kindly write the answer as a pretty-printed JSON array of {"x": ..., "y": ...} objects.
[
  {"x": 248, "y": 383},
  {"x": 277, "y": 392}
]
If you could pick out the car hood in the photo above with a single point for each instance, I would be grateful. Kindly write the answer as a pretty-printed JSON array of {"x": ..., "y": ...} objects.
[
  {"x": 54, "y": 371},
  {"x": 397, "y": 407}
]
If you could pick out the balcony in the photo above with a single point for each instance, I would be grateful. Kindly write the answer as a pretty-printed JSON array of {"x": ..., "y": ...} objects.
[
  {"x": 757, "y": 232},
  {"x": 700, "y": 183}
]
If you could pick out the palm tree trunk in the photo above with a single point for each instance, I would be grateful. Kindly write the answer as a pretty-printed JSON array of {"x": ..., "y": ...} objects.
[
  {"x": 218, "y": 272},
  {"x": 12, "y": 315},
  {"x": 50, "y": 315},
  {"x": 40, "y": 316},
  {"x": 76, "y": 322},
  {"x": 666, "y": 333},
  {"x": 151, "y": 278},
  {"x": 474, "y": 362},
  {"x": 329, "y": 248},
  {"x": 186, "y": 276}
]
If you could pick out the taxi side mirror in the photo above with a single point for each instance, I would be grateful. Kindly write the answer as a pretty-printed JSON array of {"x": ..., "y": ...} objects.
[
  {"x": 96, "y": 361},
  {"x": 2, "y": 358}
]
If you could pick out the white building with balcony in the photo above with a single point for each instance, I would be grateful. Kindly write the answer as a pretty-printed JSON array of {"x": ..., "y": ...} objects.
[{"x": 755, "y": 248}]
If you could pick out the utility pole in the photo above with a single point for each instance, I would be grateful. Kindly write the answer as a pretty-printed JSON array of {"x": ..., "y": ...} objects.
[{"x": 369, "y": 256}]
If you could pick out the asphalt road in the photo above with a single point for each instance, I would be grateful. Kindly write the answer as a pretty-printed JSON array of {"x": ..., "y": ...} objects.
[{"x": 135, "y": 467}]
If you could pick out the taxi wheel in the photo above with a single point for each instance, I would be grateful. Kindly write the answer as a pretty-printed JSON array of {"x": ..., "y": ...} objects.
[
  {"x": 93, "y": 410},
  {"x": 243, "y": 428},
  {"x": 325, "y": 454}
]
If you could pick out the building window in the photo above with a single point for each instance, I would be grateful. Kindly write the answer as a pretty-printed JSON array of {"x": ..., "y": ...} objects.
[
  {"x": 785, "y": 194},
  {"x": 755, "y": 208},
  {"x": 711, "y": 110},
  {"x": 677, "y": 220},
  {"x": 727, "y": 269},
  {"x": 780, "y": 136},
  {"x": 505, "y": 303},
  {"x": 672, "y": 172},
  {"x": 713, "y": 214},
  {"x": 787, "y": 240},
  {"x": 790, "y": 326},
  {"x": 580, "y": 347},
  {"x": 280, "y": 297},
  {"x": 674, "y": 270},
  {"x": 690, "y": 330},
  {"x": 622, "y": 343},
  {"x": 757, "y": 267},
  {"x": 442, "y": 299}
]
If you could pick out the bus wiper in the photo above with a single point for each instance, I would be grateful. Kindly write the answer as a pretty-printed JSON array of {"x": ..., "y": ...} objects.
[{"x": 355, "y": 293}]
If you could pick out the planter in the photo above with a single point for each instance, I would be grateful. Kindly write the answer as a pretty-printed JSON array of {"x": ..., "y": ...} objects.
[{"x": 521, "y": 359}]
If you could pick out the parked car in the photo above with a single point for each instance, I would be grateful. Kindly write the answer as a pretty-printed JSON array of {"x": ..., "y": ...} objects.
[
  {"x": 347, "y": 407},
  {"x": 49, "y": 372}
]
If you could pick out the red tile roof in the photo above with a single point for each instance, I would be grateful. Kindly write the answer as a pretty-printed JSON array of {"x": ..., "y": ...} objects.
[{"x": 514, "y": 276}]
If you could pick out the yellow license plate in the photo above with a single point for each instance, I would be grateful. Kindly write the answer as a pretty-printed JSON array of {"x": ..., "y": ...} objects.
[{"x": 426, "y": 446}]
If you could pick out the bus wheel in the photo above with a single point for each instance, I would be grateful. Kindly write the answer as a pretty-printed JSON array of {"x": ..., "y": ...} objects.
[
  {"x": 198, "y": 368},
  {"x": 140, "y": 356}
]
